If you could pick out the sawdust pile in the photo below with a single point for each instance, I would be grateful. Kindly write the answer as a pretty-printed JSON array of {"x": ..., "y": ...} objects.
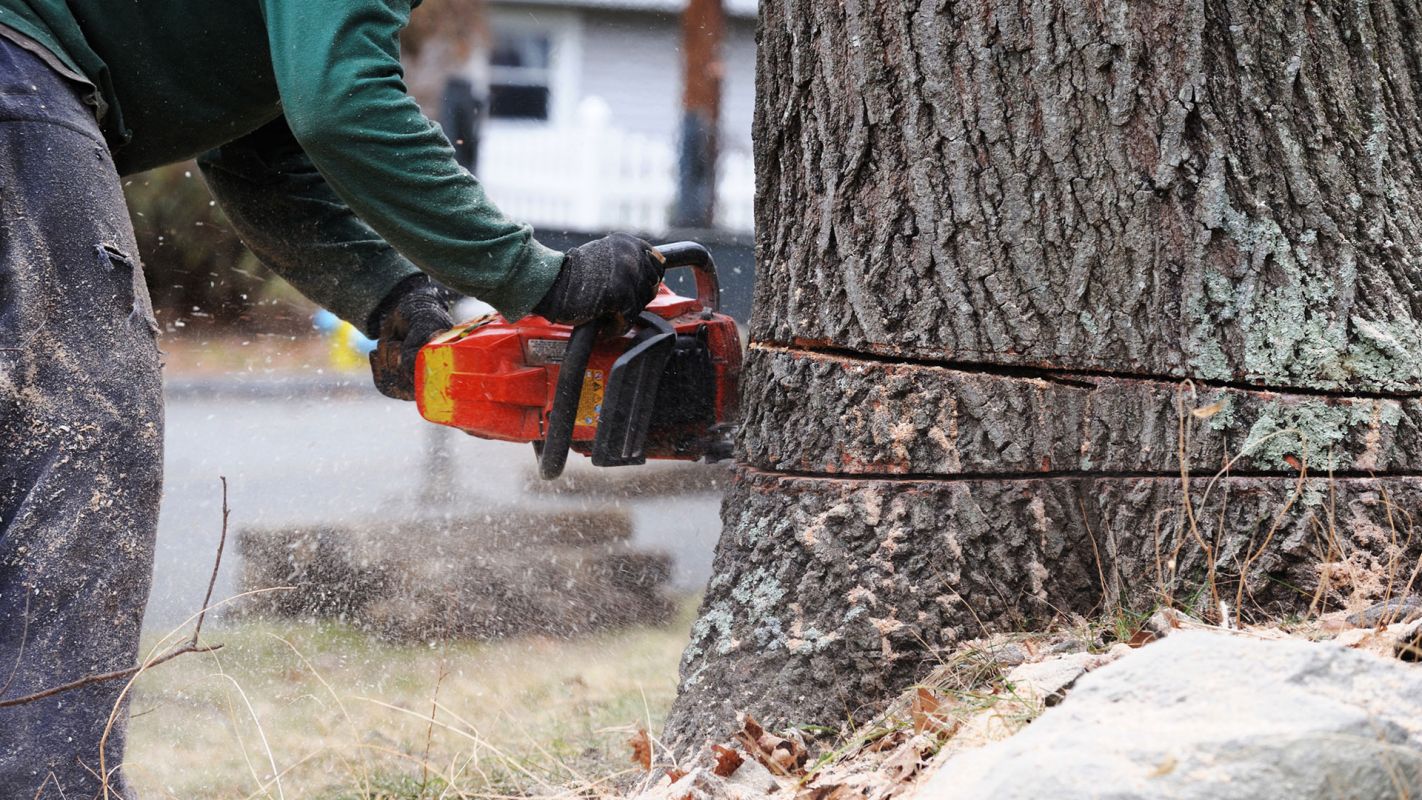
[{"x": 499, "y": 574}]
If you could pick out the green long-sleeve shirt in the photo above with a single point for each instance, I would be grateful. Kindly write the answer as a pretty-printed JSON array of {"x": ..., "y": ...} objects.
[{"x": 307, "y": 137}]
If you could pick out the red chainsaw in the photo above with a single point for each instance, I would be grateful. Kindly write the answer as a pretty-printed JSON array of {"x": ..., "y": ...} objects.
[{"x": 664, "y": 389}]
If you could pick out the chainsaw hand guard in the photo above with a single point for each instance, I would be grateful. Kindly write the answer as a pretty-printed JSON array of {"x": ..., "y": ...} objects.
[{"x": 632, "y": 387}]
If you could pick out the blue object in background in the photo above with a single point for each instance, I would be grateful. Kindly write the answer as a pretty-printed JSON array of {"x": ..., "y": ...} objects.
[
  {"x": 348, "y": 346},
  {"x": 324, "y": 321}
]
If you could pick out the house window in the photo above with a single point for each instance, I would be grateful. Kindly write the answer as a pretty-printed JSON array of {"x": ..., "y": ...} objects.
[{"x": 520, "y": 75}]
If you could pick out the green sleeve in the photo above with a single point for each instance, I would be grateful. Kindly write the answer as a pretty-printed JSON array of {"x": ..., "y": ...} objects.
[
  {"x": 287, "y": 214},
  {"x": 342, "y": 89}
]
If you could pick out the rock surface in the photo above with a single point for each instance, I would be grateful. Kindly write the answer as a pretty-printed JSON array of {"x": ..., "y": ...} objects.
[
  {"x": 1211, "y": 716},
  {"x": 1047, "y": 681}
]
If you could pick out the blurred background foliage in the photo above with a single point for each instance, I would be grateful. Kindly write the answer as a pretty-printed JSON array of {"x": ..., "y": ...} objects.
[{"x": 199, "y": 273}]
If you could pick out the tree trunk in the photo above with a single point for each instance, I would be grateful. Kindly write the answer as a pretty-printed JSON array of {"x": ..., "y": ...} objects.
[{"x": 1064, "y": 308}]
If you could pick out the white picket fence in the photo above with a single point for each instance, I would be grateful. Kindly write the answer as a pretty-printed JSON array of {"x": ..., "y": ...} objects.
[{"x": 594, "y": 177}]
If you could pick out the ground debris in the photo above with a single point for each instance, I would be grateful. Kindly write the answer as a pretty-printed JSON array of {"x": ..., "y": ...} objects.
[
  {"x": 782, "y": 755},
  {"x": 727, "y": 760},
  {"x": 985, "y": 691},
  {"x": 641, "y": 745},
  {"x": 968, "y": 701}
]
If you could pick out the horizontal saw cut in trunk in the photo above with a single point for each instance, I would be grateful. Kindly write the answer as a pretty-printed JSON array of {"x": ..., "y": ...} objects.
[
  {"x": 842, "y": 414},
  {"x": 1063, "y": 309}
]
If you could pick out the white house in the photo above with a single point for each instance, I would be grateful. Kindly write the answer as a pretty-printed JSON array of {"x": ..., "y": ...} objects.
[{"x": 585, "y": 111}]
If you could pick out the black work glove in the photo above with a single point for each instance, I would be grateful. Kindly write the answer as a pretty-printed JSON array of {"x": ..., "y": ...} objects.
[
  {"x": 414, "y": 311},
  {"x": 613, "y": 277}
]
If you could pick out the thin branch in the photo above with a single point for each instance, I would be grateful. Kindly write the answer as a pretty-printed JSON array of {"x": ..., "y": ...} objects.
[
  {"x": 107, "y": 676},
  {"x": 192, "y": 645},
  {"x": 216, "y": 564}
]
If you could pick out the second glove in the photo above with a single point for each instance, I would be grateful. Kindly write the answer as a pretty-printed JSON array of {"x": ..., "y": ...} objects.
[
  {"x": 615, "y": 276},
  {"x": 410, "y": 316}
]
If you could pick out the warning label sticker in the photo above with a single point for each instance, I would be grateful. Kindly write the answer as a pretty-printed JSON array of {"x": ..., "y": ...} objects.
[
  {"x": 545, "y": 351},
  {"x": 590, "y": 402}
]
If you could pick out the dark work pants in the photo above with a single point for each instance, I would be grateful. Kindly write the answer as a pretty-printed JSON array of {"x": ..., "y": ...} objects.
[{"x": 81, "y": 437}]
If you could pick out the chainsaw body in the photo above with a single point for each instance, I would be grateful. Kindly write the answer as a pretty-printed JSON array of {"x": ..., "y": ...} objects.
[{"x": 665, "y": 389}]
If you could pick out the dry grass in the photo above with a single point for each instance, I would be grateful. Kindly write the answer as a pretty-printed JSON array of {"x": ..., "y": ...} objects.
[{"x": 289, "y": 710}]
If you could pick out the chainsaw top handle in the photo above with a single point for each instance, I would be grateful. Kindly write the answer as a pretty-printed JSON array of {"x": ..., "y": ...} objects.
[
  {"x": 698, "y": 258},
  {"x": 553, "y": 451}
]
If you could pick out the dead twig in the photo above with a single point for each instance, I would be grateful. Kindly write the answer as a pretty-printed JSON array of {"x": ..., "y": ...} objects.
[
  {"x": 191, "y": 646},
  {"x": 104, "y": 677},
  {"x": 1251, "y": 557},
  {"x": 434, "y": 699},
  {"x": 216, "y": 564}
]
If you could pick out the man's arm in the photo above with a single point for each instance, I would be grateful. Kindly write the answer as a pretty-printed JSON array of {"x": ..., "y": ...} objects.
[
  {"x": 288, "y": 215},
  {"x": 342, "y": 88}
]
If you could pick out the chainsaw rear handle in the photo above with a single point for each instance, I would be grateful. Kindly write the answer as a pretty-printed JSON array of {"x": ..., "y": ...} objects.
[{"x": 553, "y": 451}]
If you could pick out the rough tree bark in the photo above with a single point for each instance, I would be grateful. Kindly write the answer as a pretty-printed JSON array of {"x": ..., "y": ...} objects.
[{"x": 1030, "y": 276}]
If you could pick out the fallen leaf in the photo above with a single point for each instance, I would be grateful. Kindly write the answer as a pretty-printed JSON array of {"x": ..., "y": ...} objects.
[
  {"x": 1294, "y": 462},
  {"x": 905, "y": 763},
  {"x": 676, "y": 774},
  {"x": 750, "y": 727},
  {"x": 781, "y": 755},
  {"x": 1141, "y": 638},
  {"x": 727, "y": 761},
  {"x": 926, "y": 716},
  {"x": 832, "y": 791},
  {"x": 924, "y": 711},
  {"x": 641, "y": 745},
  {"x": 888, "y": 741}
]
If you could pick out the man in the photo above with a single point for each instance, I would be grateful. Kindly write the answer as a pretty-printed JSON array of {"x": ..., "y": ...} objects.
[{"x": 298, "y": 114}]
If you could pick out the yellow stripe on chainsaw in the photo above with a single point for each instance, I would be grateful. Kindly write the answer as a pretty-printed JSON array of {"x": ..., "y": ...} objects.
[{"x": 435, "y": 400}]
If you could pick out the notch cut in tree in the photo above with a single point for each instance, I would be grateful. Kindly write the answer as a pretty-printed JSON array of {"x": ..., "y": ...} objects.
[
  {"x": 703, "y": 27},
  {"x": 1064, "y": 309}
]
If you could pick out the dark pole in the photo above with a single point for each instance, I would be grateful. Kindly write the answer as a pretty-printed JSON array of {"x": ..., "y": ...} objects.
[
  {"x": 703, "y": 25},
  {"x": 462, "y": 117}
]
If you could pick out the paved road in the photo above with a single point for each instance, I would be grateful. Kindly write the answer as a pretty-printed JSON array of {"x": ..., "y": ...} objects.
[{"x": 305, "y": 451}]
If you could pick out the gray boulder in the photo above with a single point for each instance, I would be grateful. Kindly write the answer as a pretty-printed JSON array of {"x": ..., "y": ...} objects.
[{"x": 1213, "y": 717}]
